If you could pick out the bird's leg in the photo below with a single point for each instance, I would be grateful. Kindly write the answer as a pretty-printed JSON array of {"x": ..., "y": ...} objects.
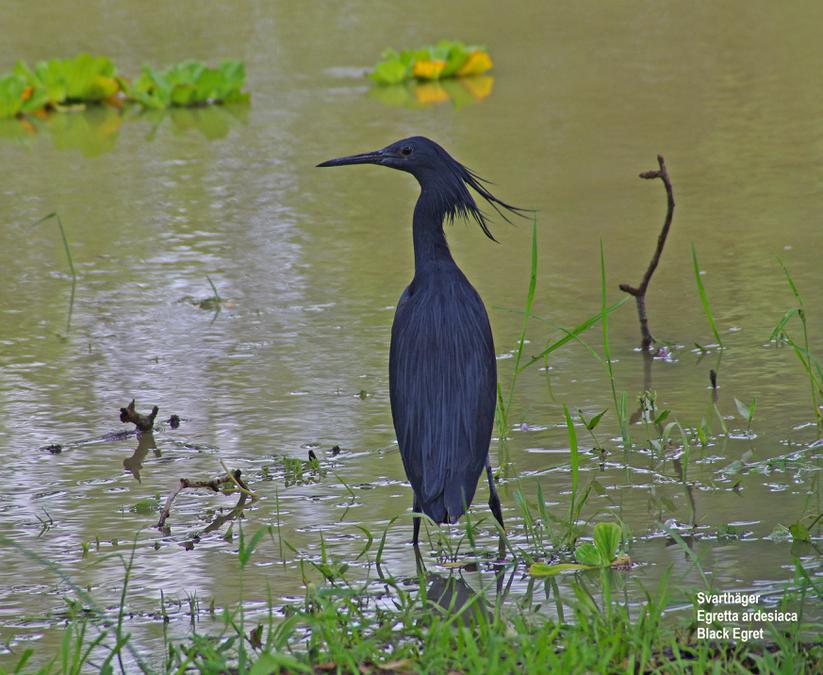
[
  {"x": 419, "y": 565},
  {"x": 416, "y": 523},
  {"x": 494, "y": 505},
  {"x": 494, "y": 500}
]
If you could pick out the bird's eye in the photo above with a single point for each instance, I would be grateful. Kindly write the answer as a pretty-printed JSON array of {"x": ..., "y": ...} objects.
[{"x": 406, "y": 150}]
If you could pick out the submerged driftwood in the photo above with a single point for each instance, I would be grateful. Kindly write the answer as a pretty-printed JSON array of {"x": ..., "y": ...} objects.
[
  {"x": 142, "y": 422},
  {"x": 127, "y": 415},
  {"x": 214, "y": 485}
]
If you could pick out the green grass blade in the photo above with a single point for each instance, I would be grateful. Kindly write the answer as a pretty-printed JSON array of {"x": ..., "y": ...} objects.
[
  {"x": 573, "y": 333},
  {"x": 56, "y": 216},
  {"x": 704, "y": 299},
  {"x": 792, "y": 285},
  {"x": 574, "y": 458},
  {"x": 504, "y": 427},
  {"x": 604, "y": 321}
]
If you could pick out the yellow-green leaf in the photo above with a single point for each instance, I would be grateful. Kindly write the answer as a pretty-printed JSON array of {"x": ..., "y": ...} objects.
[
  {"x": 428, "y": 69},
  {"x": 477, "y": 64},
  {"x": 544, "y": 570}
]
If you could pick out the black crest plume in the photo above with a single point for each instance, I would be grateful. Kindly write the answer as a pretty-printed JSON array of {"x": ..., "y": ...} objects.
[{"x": 451, "y": 191}]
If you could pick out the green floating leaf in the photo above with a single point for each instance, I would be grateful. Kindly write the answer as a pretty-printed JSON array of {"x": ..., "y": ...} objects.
[
  {"x": 389, "y": 72},
  {"x": 780, "y": 533},
  {"x": 604, "y": 549},
  {"x": 544, "y": 570},
  {"x": 84, "y": 78},
  {"x": 800, "y": 532},
  {"x": 12, "y": 88},
  {"x": 588, "y": 554},
  {"x": 739, "y": 464},
  {"x": 190, "y": 84},
  {"x": 146, "y": 506},
  {"x": 607, "y": 539},
  {"x": 34, "y": 96}
]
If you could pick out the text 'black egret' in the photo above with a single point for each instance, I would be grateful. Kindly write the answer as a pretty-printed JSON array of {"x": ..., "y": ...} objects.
[{"x": 442, "y": 367}]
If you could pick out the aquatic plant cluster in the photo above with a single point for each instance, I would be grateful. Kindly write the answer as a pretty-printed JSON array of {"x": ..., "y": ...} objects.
[
  {"x": 65, "y": 84},
  {"x": 447, "y": 71},
  {"x": 448, "y": 58}
]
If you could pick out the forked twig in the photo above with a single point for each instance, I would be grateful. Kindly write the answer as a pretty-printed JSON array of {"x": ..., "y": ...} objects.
[
  {"x": 639, "y": 292},
  {"x": 214, "y": 485}
]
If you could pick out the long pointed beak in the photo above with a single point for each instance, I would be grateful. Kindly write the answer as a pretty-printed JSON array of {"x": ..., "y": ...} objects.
[{"x": 374, "y": 157}]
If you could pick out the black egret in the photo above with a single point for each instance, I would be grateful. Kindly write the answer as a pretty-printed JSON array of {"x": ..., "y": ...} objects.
[{"x": 442, "y": 366}]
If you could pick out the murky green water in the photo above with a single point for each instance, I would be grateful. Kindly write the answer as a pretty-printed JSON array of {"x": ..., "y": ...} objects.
[{"x": 310, "y": 264}]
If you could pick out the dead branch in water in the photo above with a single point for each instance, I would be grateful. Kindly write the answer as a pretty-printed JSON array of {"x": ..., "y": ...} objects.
[
  {"x": 214, "y": 485},
  {"x": 142, "y": 422},
  {"x": 639, "y": 292}
]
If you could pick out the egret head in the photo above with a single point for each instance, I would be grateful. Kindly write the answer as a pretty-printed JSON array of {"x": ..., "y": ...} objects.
[{"x": 445, "y": 181}]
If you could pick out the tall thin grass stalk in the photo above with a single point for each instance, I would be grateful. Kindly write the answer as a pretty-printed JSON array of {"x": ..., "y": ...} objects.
[
  {"x": 214, "y": 290},
  {"x": 704, "y": 298},
  {"x": 803, "y": 352},
  {"x": 88, "y": 600},
  {"x": 619, "y": 406},
  {"x": 504, "y": 409},
  {"x": 378, "y": 558},
  {"x": 574, "y": 457},
  {"x": 56, "y": 216},
  {"x": 67, "y": 249},
  {"x": 722, "y": 421},
  {"x": 279, "y": 531},
  {"x": 121, "y": 639},
  {"x": 71, "y": 303},
  {"x": 687, "y": 550},
  {"x": 542, "y": 512}
]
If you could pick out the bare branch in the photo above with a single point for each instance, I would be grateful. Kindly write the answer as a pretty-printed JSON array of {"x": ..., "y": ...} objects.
[
  {"x": 214, "y": 485},
  {"x": 639, "y": 292}
]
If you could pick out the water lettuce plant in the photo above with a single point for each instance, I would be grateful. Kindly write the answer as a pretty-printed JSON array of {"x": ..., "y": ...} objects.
[
  {"x": 66, "y": 84},
  {"x": 12, "y": 95},
  {"x": 190, "y": 84},
  {"x": 448, "y": 58},
  {"x": 602, "y": 553},
  {"x": 57, "y": 82}
]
